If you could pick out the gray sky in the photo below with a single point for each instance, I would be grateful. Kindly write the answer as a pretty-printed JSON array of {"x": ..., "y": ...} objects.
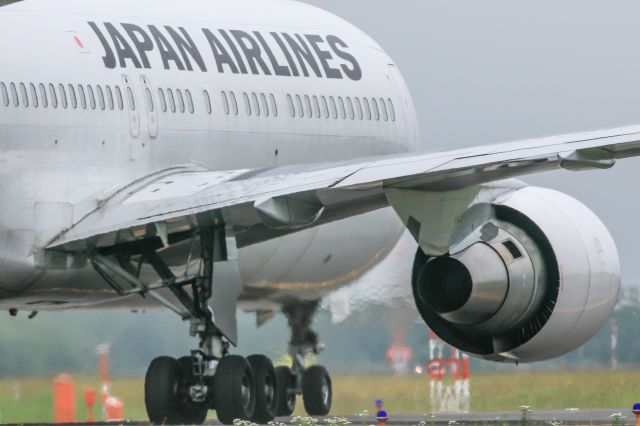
[{"x": 486, "y": 71}]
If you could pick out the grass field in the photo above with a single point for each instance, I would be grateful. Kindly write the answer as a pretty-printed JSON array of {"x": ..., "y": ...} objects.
[{"x": 30, "y": 400}]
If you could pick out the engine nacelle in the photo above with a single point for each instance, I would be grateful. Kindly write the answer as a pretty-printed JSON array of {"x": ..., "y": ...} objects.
[{"x": 533, "y": 280}]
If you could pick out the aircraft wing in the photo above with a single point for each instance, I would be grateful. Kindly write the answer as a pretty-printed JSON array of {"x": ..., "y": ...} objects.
[{"x": 260, "y": 204}]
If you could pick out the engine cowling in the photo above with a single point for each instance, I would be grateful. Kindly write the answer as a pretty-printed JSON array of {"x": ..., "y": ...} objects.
[{"x": 533, "y": 281}]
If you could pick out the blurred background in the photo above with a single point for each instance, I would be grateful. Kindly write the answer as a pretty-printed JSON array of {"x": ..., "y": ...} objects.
[{"x": 480, "y": 72}]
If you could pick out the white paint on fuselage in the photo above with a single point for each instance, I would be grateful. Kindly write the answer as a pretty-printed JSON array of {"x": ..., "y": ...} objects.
[{"x": 54, "y": 160}]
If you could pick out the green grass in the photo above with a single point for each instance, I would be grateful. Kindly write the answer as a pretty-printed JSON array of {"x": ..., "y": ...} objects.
[
  {"x": 489, "y": 392},
  {"x": 495, "y": 391}
]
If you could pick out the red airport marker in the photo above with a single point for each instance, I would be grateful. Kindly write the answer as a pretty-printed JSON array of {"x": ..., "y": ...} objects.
[{"x": 90, "y": 400}]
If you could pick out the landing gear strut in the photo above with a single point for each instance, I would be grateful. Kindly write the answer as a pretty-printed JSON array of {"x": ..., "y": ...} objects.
[
  {"x": 181, "y": 391},
  {"x": 313, "y": 383}
]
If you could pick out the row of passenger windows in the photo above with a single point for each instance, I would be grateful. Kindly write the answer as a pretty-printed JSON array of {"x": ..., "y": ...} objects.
[
  {"x": 172, "y": 100},
  {"x": 65, "y": 96},
  {"x": 341, "y": 107},
  {"x": 176, "y": 100},
  {"x": 255, "y": 104}
]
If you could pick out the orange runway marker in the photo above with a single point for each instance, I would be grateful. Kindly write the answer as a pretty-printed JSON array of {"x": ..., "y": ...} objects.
[
  {"x": 90, "y": 400},
  {"x": 64, "y": 399}
]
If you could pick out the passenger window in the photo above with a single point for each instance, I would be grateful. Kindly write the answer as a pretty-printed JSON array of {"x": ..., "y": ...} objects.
[
  {"x": 247, "y": 104},
  {"x": 110, "y": 98},
  {"x": 119, "y": 98},
  {"x": 43, "y": 95},
  {"x": 34, "y": 95},
  {"x": 334, "y": 109},
  {"x": 299, "y": 106},
  {"x": 392, "y": 110},
  {"x": 190, "y": 105},
  {"x": 265, "y": 105},
  {"x": 359, "y": 109},
  {"x": 163, "y": 100},
  {"x": 14, "y": 95},
  {"x": 307, "y": 105},
  {"x": 52, "y": 96},
  {"x": 131, "y": 99},
  {"x": 325, "y": 107},
  {"x": 207, "y": 102},
  {"x": 376, "y": 111},
  {"x": 172, "y": 100},
  {"x": 149, "y": 98},
  {"x": 180, "y": 100},
  {"x": 5, "y": 94},
  {"x": 352, "y": 114},
  {"x": 72, "y": 97},
  {"x": 383, "y": 108},
  {"x": 225, "y": 102},
  {"x": 316, "y": 107},
  {"x": 256, "y": 103},
  {"x": 274, "y": 105},
  {"x": 92, "y": 97},
  {"x": 292, "y": 109},
  {"x": 25, "y": 96},
  {"x": 234, "y": 103},
  {"x": 343, "y": 113},
  {"x": 100, "y": 97},
  {"x": 63, "y": 96},
  {"x": 367, "y": 108},
  {"x": 82, "y": 97}
]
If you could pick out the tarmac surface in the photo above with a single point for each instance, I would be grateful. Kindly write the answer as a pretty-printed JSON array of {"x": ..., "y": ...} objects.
[{"x": 564, "y": 417}]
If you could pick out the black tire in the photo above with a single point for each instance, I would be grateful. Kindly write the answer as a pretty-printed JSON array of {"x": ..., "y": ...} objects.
[
  {"x": 266, "y": 389},
  {"x": 161, "y": 391},
  {"x": 192, "y": 413},
  {"x": 234, "y": 389},
  {"x": 316, "y": 391},
  {"x": 285, "y": 391}
]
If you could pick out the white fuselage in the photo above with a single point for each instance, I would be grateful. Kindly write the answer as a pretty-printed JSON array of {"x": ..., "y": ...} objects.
[{"x": 96, "y": 94}]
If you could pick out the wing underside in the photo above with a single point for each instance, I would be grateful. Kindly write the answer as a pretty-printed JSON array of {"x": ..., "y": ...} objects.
[{"x": 267, "y": 203}]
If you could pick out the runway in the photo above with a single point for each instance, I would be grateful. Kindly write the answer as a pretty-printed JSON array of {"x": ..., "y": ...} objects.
[{"x": 564, "y": 417}]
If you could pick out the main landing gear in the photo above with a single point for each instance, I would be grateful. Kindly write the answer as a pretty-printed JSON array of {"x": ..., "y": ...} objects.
[
  {"x": 313, "y": 383},
  {"x": 182, "y": 391}
]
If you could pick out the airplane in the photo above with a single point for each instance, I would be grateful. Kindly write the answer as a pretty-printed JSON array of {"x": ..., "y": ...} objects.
[{"x": 213, "y": 156}]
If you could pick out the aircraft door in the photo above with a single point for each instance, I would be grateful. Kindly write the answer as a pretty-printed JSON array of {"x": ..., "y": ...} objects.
[
  {"x": 151, "y": 107},
  {"x": 134, "y": 117}
]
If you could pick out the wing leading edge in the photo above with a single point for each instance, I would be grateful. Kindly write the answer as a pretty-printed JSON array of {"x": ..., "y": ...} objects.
[{"x": 262, "y": 204}]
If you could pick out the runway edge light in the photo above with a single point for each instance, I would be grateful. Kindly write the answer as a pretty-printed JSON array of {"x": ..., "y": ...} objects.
[{"x": 636, "y": 411}]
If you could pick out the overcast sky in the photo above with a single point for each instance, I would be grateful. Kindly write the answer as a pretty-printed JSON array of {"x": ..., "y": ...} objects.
[{"x": 485, "y": 71}]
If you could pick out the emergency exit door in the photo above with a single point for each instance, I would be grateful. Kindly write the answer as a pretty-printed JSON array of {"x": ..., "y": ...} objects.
[
  {"x": 130, "y": 100},
  {"x": 152, "y": 114}
]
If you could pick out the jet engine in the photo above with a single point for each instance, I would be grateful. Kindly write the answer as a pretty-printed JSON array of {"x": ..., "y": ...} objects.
[{"x": 532, "y": 280}]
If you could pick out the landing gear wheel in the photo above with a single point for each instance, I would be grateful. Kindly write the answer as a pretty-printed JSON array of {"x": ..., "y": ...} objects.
[
  {"x": 316, "y": 391},
  {"x": 266, "y": 389},
  {"x": 286, "y": 397},
  {"x": 192, "y": 413},
  {"x": 234, "y": 389},
  {"x": 161, "y": 391}
]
